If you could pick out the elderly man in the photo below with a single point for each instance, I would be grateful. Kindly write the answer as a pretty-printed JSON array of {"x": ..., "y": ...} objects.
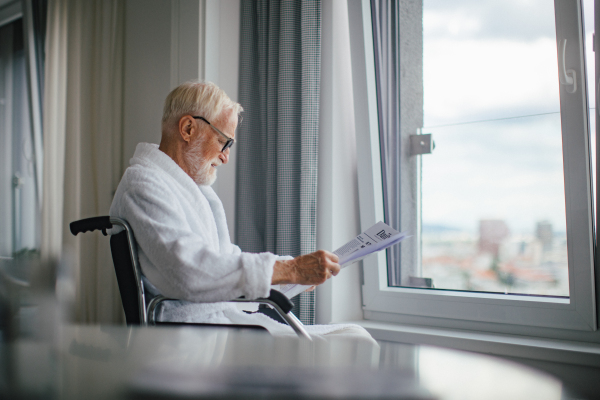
[{"x": 184, "y": 247}]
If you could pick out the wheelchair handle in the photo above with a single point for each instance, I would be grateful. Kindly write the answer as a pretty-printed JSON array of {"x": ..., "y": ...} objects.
[{"x": 91, "y": 224}]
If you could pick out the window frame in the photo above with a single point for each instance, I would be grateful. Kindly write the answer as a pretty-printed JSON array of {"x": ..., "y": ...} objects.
[
  {"x": 482, "y": 311},
  {"x": 9, "y": 13}
]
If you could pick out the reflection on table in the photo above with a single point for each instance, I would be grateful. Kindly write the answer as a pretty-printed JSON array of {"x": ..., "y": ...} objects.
[{"x": 98, "y": 362}]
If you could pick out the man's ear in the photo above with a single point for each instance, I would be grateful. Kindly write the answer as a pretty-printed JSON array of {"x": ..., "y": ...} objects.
[{"x": 186, "y": 128}]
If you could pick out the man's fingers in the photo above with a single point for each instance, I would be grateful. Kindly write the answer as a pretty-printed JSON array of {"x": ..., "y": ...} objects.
[
  {"x": 315, "y": 268},
  {"x": 330, "y": 262},
  {"x": 333, "y": 257},
  {"x": 335, "y": 269}
]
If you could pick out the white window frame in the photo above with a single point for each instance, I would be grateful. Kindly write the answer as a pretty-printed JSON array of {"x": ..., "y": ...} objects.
[{"x": 575, "y": 317}]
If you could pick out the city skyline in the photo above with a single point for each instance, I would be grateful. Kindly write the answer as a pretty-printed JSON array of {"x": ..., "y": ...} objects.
[{"x": 497, "y": 260}]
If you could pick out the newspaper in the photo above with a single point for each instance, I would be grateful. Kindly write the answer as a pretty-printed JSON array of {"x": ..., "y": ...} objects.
[{"x": 378, "y": 237}]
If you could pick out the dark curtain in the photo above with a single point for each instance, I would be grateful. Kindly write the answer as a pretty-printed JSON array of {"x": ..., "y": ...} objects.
[
  {"x": 276, "y": 187},
  {"x": 40, "y": 13},
  {"x": 386, "y": 36}
]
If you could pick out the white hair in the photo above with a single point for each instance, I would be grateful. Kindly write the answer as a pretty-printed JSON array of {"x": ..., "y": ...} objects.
[{"x": 197, "y": 98}]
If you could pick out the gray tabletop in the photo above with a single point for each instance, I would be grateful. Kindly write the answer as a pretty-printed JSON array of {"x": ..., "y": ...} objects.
[{"x": 99, "y": 362}]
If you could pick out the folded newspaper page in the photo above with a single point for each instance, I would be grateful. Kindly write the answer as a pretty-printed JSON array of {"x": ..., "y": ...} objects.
[{"x": 378, "y": 237}]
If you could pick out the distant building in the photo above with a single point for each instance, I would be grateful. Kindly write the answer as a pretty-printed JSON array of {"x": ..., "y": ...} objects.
[
  {"x": 491, "y": 234},
  {"x": 544, "y": 233}
]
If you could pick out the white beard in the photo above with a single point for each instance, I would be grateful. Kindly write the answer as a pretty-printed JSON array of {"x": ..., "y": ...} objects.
[
  {"x": 206, "y": 175},
  {"x": 202, "y": 171}
]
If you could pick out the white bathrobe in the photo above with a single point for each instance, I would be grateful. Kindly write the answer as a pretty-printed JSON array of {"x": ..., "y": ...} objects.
[{"x": 184, "y": 247}]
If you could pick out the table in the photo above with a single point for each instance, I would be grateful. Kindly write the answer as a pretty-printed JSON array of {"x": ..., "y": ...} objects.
[{"x": 111, "y": 362}]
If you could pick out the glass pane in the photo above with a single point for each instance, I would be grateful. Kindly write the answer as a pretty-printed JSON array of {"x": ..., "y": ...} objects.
[
  {"x": 19, "y": 211},
  {"x": 500, "y": 227},
  {"x": 493, "y": 206}
]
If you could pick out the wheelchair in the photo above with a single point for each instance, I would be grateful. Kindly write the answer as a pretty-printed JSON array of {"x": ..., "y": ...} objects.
[{"x": 142, "y": 311}]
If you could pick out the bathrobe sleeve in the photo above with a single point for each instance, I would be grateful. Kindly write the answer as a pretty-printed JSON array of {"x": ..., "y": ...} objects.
[{"x": 183, "y": 264}]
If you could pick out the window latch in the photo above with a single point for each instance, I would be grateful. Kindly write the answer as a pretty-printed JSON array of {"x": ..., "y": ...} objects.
[
  {"x": 421, "y": 144},
  {"x": 17, "y": 181}
]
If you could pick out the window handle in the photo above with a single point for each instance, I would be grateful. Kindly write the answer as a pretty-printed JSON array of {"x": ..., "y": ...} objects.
[
  {"x": 17, "y": 180},
  {"x": 566, "y": 76}
]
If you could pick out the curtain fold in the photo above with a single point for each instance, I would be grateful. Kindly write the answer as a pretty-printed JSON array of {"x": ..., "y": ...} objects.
[
  {"x": 386, "y": 37},
  {"x": 276, "y": 187},
  {"x": 83, "y": 142},
  {"x": 40, "y": 16}
]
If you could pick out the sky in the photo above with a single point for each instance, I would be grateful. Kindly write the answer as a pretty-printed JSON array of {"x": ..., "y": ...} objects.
[{"x": 485, "y": 61}]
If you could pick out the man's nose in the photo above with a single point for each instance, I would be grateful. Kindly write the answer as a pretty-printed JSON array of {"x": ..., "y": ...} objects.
[{"x": 224, "y": 156}]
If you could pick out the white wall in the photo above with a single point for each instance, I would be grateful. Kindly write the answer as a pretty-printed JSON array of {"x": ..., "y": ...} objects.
[
  {"x": 164, "y": 46},
  {"x": 147, "y": 71},
  {"x": 222, "y": 68},
  {"x": 167, "y": 43}
]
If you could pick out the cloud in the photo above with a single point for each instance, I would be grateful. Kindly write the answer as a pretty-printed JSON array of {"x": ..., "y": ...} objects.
[
  {"x": 466, "y": 80},
  {"x": 507, "y": 169},
  {"x": 522, "y": 20},
  {"x": 485, "y": 61}
]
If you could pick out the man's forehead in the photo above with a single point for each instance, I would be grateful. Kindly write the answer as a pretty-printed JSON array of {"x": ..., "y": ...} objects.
[{"x": 229, "y": 119}]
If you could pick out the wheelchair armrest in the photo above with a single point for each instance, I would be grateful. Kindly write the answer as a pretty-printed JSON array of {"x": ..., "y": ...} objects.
[
  {"x": 275, "y": 296},
  {"x": 276, "y": 299}
]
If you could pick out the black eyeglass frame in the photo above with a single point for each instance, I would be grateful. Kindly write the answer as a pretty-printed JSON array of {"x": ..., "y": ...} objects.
[{"x": 230, "y": 141}]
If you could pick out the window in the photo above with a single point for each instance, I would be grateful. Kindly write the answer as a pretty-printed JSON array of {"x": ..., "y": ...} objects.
[
  {"x": 20, "y": 136},
  {"x": 492, "y": 105},
  {"x": 501, "y": 212}
]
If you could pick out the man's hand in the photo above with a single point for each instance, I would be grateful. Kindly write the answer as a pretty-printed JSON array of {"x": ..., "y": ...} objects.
[{"x": 309, "y": 269}]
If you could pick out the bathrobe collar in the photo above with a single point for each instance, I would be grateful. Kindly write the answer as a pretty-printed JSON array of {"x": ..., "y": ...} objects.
[{"x": 148, "y": 155}]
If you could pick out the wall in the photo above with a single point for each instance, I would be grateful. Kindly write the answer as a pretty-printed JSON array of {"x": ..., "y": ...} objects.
[
  {"x": 222, "y": 68},
  {"x": 411, "y": 119},
  {"x": 147, "y": 71},
  {"x": 170, "y": 42}
]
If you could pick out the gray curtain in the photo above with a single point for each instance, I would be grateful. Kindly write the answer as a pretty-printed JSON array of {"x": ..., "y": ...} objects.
[
  {"x": 276, "y": 206},
  {"x": 386, "y": 37},
  {"x": 40, "y": 14},
  {"x": 83, "y": 140}
]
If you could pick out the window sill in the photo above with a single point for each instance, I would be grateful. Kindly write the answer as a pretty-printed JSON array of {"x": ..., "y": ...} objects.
[{"x": 571, "y": 352}]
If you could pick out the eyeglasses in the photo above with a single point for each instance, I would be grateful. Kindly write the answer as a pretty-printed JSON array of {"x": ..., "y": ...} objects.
[{"x": 228, "y": 143}]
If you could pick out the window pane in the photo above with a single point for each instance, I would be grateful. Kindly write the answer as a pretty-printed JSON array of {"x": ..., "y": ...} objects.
[
  {"x": 493, "y": 205},
  {"x": 19, "y": 211},
  {"x": 500, "y": 227}
]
